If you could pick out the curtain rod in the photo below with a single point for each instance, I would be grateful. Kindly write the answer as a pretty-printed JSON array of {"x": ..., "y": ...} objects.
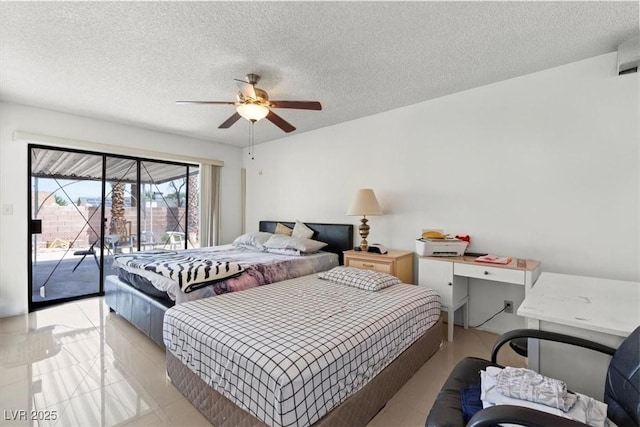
[{"x": 115, "y": 149}]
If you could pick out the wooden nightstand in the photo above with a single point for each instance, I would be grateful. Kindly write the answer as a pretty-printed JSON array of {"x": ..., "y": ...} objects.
[{"x": 397, "y": 263}]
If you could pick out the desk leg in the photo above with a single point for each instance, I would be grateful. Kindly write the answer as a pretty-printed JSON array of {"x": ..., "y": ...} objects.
[
  {"x": 465, "y": 309},
  {"x": 450, "y": 315},
  {"x": 533, "y": 347}
]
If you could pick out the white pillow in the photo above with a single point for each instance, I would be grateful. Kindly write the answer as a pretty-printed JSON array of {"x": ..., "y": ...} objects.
[
  {"x": 280, "y": 241},
  {"x": 359, "y": 278},
  {"x": 301, "y": 230},
  {"x": 290, "y": 252},
  {"x": 254, "y": 240}
]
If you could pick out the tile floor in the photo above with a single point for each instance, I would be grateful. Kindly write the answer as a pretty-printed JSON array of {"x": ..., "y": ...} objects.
[{"x": 85, "y": 366}]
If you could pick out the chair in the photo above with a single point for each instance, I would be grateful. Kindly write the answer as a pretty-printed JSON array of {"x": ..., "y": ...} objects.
[
  {"x": 175, "y": 239},
  {"x": 111, "y": 241},
  {"x": 116, "y": 243},
  {"x": 621, "y": 392},
  {"x": 90, "y": 251},
  {"x": 147, "y": 239}
]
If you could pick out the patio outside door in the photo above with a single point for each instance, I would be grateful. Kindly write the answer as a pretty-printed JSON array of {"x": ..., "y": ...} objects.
[
  {"x": 65, "y": 227},
  {"x": 120, "y": 210},
  {"x": 87, "y": 207}
]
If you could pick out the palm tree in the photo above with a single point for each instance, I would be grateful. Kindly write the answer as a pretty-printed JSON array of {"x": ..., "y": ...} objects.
[{"x": 118, "y": 223}]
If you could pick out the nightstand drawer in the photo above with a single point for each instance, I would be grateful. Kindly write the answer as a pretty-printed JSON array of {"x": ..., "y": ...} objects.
[
  {"x": 383, "y": 267},
  {"x": 497, "y": 274},
  {"x": 394, "y": 262}
]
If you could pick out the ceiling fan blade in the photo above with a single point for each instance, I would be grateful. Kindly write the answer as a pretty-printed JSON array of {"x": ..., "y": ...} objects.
[
  {"x": 300, "y": 105},
  {"x": 205, "y": 102},
  {"x": 280, "y": 122},
  {"x": 231, "y": 120},
  {"x": 246, "y": 89}
]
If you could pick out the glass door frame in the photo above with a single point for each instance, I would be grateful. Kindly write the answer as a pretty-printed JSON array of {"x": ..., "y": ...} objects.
[{"x": 32, "y": 228}]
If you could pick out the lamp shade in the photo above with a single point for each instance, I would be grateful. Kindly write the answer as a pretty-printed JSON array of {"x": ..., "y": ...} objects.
[
  {"x": 364, "y": 203},
  {"x": 252, "y": 112}
]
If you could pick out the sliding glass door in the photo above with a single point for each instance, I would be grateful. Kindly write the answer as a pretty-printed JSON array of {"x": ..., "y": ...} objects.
[
  {"x": 86, "y": 207},
  {"x": 121, "y": 210},
  {"x": 65, "y": 230},
  {"x": 170, "y": 208}
]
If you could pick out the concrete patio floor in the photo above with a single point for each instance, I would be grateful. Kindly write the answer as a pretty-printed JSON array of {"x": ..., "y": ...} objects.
[{"x": 62, "y": 282}]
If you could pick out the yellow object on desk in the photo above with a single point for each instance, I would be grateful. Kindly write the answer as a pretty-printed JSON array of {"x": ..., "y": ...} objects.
[{"x": 433, "y": 234}]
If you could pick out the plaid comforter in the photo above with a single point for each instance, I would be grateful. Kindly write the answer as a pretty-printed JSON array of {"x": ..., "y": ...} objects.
[{"x": 290, "y": 352}]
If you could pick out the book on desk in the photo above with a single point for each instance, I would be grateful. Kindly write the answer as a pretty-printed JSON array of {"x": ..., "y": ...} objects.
[{"x": 493, "y": 259}]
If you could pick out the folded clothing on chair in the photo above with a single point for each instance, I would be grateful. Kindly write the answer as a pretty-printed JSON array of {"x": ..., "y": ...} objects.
[
  {"x": 470, "y": 400},
  {"x": 522, "y": 383},
  {"x": 586, "y": 409}
]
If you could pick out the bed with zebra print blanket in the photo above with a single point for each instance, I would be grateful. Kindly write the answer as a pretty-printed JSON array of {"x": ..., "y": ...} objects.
[
  {"x": 146, "y": 270},
  {"x": 190, "y": 273}
]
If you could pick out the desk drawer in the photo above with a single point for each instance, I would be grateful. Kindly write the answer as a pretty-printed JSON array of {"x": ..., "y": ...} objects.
[
  {"x": 489, "y": 273},
  {"x": 383, "y": 267}
]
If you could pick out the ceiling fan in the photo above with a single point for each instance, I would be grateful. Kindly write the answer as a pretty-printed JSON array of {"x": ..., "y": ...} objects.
[{"x": 253, "y": 104}]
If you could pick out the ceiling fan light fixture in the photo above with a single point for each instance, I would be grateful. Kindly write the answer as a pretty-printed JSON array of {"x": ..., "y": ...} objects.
[
  {"x": 252, "y": 112},
  {"x": 253, "y": 104}
]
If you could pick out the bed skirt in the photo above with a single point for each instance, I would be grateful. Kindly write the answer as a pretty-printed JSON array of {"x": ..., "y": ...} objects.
[{"x": 357, "y": 410}]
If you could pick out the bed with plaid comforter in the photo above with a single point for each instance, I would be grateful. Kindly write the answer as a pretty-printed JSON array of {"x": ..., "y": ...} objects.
[{"x": 290, "y": 352}]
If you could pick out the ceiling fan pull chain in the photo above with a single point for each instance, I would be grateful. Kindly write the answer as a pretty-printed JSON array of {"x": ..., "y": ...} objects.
[{"x": 251, "y": 142}]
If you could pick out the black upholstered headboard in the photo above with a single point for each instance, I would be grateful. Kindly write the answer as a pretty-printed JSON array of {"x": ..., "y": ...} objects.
[{"x": 339, "y": 237}]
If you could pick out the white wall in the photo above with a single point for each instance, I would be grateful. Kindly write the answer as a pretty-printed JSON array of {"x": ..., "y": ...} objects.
[
  {"x": 544, "y": 166},
  {"x": 14, "y": 181}
]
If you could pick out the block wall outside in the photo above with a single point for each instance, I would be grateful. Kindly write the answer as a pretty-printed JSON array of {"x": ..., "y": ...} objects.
[{"x": 69, "y": 223}]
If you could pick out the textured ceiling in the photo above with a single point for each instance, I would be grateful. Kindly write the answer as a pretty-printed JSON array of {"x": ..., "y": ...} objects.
[{"x": 129, "y": 61}]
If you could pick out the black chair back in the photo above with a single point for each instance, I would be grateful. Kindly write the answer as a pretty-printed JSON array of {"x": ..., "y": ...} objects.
[{"x": 622, "y": 389}]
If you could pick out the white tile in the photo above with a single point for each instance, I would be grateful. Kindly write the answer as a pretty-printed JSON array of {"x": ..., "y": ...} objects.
[
  {"x": 108, "y": 369},
  {"x": 12, "y": 374},
  {"x": 182, "y": 413},
  {"x": 63, "y": 317},
  {"x": 152, "y": 419},
  {"x": 95, "y": 368},
  {"x": 154, "y": 380},
  {"x": 100, "y": 407},
  {"x": 151, "y": 350},
  {"x": 94, "y": 309},
  {"x": 14, "y": 398},
  {"x": 14, "y": 324},
  {"x": 63, "y": 384}
]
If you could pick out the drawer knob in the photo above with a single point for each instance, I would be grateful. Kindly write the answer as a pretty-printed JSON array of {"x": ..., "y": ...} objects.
[
  {"x": 486, "y": 273},
  {"x": 367, "y": 265},
  {"x": 450, "y": 284}
]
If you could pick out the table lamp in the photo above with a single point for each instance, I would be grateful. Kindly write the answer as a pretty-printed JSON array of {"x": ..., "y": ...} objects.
[{"x": 364, "y": 203}]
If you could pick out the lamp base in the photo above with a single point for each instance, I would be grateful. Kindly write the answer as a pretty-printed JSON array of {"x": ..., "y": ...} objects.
[{"x": 364, "y": 233}]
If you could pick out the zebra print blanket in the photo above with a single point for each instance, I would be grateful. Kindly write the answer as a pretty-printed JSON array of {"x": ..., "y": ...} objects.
[{"x": 189, "y": 272}]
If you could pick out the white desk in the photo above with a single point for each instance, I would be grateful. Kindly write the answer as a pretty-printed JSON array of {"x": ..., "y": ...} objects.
[
  {"x": 449, "y": 277},
  {"x": 601, "y": 310}
]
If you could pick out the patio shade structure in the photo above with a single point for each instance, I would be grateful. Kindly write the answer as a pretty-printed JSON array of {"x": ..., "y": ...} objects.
[{"x": 78, "y": 166}]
